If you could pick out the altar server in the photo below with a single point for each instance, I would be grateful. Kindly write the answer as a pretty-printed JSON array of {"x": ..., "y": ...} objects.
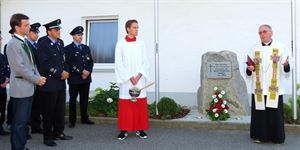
[{"x": 132, "y": 70}]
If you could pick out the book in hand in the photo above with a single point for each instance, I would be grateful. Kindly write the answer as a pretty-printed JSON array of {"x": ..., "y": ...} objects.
[{"x": 250, "y": 62}]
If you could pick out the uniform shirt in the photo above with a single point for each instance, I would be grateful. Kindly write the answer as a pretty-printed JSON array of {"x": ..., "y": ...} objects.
[
  {"x": 51, "y": 57},
  {"x": 78, "y": 58}
]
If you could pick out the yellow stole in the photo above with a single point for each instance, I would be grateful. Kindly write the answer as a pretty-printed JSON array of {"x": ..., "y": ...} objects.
[
  {"x": 272, "y": 98},
  {"x": 259, "y": 102}
]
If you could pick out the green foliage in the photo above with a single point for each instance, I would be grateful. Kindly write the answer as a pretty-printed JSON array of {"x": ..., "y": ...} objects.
[
  {"x": 151, "y": 110},
  {"x": 288, "y": 109},
  {"x": 105, "y": 102},
  {"x": 167, "y": 107},
  {"x": 223, "y": 116}
]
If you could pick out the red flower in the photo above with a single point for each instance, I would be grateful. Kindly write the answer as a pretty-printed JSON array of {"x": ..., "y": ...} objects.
[
  {"x": 217, "y": 93},
  {"x": 220, "y": 101},
  {"x": 211, "y": 108},
  {"x": 226, "y": 107},
  {"x": 219, "y": 110},
  {"x": 219, "y": 106}
]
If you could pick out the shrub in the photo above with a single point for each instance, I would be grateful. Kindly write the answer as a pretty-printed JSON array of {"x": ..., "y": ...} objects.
[
  {"x": 105, "y": 102},
  {"x": 288, "y": 109},
  {"x": 167, "y": 108}
]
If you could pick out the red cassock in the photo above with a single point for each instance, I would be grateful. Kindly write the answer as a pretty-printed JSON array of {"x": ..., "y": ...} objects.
[{"x": 133, "y": 116}]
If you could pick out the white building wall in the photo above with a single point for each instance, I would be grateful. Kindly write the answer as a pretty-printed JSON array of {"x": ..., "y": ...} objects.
[{"x": 188, "y": 29}]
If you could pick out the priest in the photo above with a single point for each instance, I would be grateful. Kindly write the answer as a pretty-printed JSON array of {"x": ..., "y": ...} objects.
[
  {"x": 132, "y": 71},
  {"x": 268, "y": 68}
]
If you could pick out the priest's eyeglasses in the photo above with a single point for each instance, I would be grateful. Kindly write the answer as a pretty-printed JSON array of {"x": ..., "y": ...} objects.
[{"x": 263, "y": 32}]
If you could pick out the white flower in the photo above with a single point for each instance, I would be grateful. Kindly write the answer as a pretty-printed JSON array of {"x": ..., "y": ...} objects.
[
  {"x": 214, "y": 110},
  {"x": 91, "y": 99},
  {"x": 220, "y": 95},
  {"x": 215, "y": 88},
  {"x": 224, "y": 102},
  {"x": 223, "y": 92},
  {"x": 109, "y": 100},
  {"x": 214, "y": 96},
  {"x": 225, "y": 111},
  {"x": 216, "y": 115},
  {"x": 216, "y": 100},
  {"x": 223, "y": 106}
]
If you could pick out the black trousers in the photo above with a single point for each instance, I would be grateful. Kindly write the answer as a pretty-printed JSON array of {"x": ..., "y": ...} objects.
[
  {"x": 9, "y": 112},
  {"x": 36, "y": 112},
  {"x": 83, "y": 90},
  {"x": 53, "y": 111},
  {"x": 3, "y": 100},
  {"x": 268, "y": 125}
]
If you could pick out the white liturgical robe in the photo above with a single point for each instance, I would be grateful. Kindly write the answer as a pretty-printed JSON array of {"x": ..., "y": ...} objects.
[
  {"x": 130, "y": 60},
  {"x": 266, "y": 71}
]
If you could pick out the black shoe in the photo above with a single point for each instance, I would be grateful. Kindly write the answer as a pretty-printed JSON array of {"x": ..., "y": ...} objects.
[
  {"x": 2, "y": 132},
  {"x": 122, "y": 135},
  {"x": 62, "y": 136},
  {"x": 50, "y": 143},
  {"x": 37, "y": 130},
  {"x": 87, "y": 121},
  {"x": 26, "y": 148},
  {"x": 141, "y": 134},
  {"x": 72, "y": 125}
]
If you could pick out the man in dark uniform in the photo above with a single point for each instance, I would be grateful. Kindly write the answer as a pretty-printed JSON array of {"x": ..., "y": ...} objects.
[
  {"x": 4, "y": 80},
  {"x": 51, "y": 57},
  {"x": 80, "y": 64},
  {"x": 36, "y": 112}
]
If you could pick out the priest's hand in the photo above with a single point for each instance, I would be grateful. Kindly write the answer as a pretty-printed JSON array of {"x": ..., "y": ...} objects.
[
  {"x": 64, "y": 75},
  {"x": 42, "y": 81},
  {"x": 251, "y": 68},
  {"x": 286, "y": 61}
]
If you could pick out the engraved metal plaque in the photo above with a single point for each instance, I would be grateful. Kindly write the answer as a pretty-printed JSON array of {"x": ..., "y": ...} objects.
[{"x": 219, "y": 70}]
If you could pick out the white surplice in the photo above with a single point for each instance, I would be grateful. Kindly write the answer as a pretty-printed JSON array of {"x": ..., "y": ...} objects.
[{"x": 130, "y": 60}]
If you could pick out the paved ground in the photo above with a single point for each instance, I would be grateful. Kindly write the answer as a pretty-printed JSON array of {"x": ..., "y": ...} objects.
[{"x": 103, "y": 137}]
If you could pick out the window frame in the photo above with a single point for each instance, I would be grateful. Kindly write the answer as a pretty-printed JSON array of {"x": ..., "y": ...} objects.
[{"x": 86, "y": 21}]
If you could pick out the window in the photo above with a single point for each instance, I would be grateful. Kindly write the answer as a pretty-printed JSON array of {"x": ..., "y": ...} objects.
[{"x": 102, "y": 36}]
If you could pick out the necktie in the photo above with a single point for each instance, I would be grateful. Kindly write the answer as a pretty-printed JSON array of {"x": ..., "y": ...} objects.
[
  {"x": 56, "y": 43},
  {"x": 35, "y": 45},
  {"x": 29, "y": 51}
]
